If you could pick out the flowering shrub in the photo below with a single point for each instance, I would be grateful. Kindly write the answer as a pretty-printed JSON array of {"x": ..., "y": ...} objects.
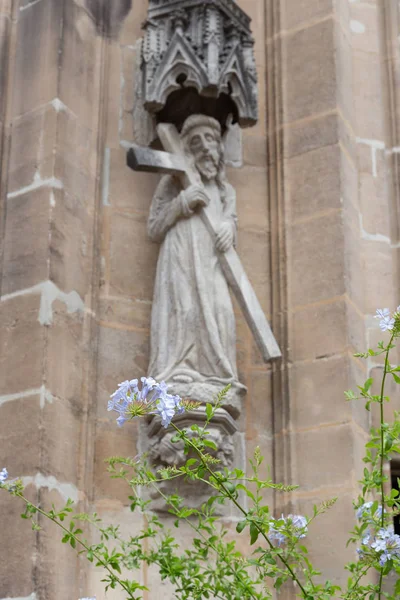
[{"x": 213, "y": 567}]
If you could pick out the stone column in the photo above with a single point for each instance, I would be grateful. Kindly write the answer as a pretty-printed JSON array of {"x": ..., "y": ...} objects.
[
  {"x": 335, "y": 230},
  {"x": 51, "y": 113}
]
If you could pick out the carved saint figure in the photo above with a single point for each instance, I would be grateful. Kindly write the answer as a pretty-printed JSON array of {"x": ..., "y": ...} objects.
[{"x": 193, "y": 337}]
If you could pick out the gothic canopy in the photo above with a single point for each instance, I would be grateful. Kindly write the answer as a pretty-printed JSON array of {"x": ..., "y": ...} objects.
[{"x": 202, "y": 44}]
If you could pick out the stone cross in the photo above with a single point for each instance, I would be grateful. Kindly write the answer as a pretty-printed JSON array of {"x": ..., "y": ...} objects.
[{"x": 174, "y": 162}]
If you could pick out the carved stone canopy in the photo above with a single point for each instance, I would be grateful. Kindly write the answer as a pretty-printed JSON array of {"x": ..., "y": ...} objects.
[{"x": 202, "y": 44}]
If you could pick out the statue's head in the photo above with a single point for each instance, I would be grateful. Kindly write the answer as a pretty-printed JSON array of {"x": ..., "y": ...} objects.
[{"x": 202, "y": 140}]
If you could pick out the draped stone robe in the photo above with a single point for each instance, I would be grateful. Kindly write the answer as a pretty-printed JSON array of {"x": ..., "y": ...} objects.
[{"x": 193, "y": 337}]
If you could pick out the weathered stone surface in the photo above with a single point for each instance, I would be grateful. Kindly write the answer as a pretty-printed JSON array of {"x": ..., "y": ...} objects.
[
  {"x": 21, "y": 345},
  {"x": 327, "y": 322},
  {"x": 26, "y": 240},
  {"x": 310, "y": 79},
  {"x": 18, "y": 548},
  {"x": 307, "y": 461},
  {"x": 317, "y": 392},
  {"x": 122, "y": 353},
  {"x": 317, "y": 248},
  {"x": 252, "y": 204},
  {"x": 311, "y": 134},
  {"x": 114, "y": 441},
  {"x": 32, "y": 148},
  {"x": 36, "y": 65},
  {"x": 22, "y": 432},
  {"x": 301, "y": 13},
  {"x": 129, "y": 238},
  {"x": 313, "y": 182}
]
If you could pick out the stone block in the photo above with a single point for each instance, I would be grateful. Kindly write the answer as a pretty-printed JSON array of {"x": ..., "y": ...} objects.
[
  {"x": 135, "y": 278},
  {"x": 323, "y": 457},
  {"x": 316, "y": 392},
  {"x": 298, "y": 14},
  {"x": 254, "y": 150},
  {"x": 66, "y": 356},
  {"x": 344, "y": 69},
  {"x": 75, "y": 181},
  {"x": 20, "y": 436},
  {"x": 254, "y": 252},
  {"x": 251, "y": 204},
  {"x": 61, "y": 424},
  {"x": 309, "y": 71},
  {"x": 112, "y": 440},
  {"x": 312, "y": 134},
  {"x": 318, "y": 331},
  {"x": 369, "y": 98},
  {"x": 6, "y": 8},
  {"x": 33, "y": 143},
  {"x": 129, "y": 190},
  {"x": 57, "y": 564},
  {"x": 4, "y": 45},
  {"x": 79, "y": 82},
  {"x": 36, "y": 64},
  {"x": 356, "y": 328},
  {"x": 121, "y": 355},
  {"x": 125, "y": 311},
  {"x": 328, "y": 534},
  {"x": 354, "y": 264},
  {"x": 26, "y": 240},
  {"x": 132, "y": 26},
  {"x": 76, "y": 142},
  {"x": 259, "y": 411},
  {"x": 21, "y": 345},
  {"x": 313, "y": 182},
  {"x": 349, "y": 174},
  {"x": 316, "y": 259},
  {"x": 374, "y": 199},
  {"x": 365, "y": 27},
  {"x": 71, "y": 230},
  {"x": 379, "y": 260},
  {"x": 17, "y": 550}
]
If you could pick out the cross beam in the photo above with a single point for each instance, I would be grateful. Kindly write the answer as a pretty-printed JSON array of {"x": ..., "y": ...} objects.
[{"x": 174, "y": 161}]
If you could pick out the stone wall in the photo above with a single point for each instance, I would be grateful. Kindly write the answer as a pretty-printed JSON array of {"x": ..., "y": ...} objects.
[{"x": 318, "y": 236}]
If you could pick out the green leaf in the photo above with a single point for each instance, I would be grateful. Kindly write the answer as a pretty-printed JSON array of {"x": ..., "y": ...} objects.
[
  {"x": 209, "y": 411},
  {"x": 241, "y": 525},
  {"x": 210, "y": 444},
  {"x": 254, "y": 533}
]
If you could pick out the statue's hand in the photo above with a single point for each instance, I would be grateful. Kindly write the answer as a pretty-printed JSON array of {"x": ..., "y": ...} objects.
[
  {"x": 224, "y": 237},
  {"x": 195, "y": 196}
]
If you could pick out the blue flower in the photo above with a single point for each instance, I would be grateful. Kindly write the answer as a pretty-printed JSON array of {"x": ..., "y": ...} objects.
[
  {"x": 3, "y": 475},
  {"x": 297, "y": 524},
  {"x": 151, "y": 399},
  {"x": 365, "y": 510},
  {"x": 386, "y": 321}
]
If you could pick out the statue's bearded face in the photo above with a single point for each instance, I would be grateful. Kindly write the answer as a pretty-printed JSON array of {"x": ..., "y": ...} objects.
[{"x": 204, "y": 145}]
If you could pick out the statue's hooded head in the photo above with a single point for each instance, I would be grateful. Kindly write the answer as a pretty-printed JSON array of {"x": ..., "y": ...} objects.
[{"x": 202, "y": 140}]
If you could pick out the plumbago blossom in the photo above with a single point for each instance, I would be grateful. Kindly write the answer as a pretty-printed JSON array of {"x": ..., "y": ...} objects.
[
  {"x": 295, "y": 525},
  {"x": 386, "y": 320},
  {"x": 152, "y": 399},
  {"x": 385, "y": 545},
  {"x": 364, "y": 511},
  {"x": 3, "y": 475}
]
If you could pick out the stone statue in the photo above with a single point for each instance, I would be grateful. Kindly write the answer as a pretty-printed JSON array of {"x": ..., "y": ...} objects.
[{"x": 193, "y": 340}]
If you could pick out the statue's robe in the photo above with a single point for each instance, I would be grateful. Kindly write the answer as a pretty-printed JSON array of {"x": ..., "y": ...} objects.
[{"x": 193, "y": 335}]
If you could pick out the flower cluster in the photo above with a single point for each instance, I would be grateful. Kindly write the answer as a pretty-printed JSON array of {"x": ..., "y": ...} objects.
[
  {"x": 387, "y": 321},
  {"x": 365, "y": 511},
  {"x": 152, "y": 399},
  {"x": 385, "y": 544},
  {"x": 295, "y": 525},
  {"x": 3, "y": 475}
]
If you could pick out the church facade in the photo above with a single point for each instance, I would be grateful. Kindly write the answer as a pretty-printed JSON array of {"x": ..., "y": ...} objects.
[{"x": 303, "y": 96}]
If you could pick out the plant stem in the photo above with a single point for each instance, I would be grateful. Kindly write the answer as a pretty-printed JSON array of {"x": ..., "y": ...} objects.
[
  {"x": 85, "y": 546},
  {"x": 242, "y": 510},
  {"x": 382, "y": 448}
]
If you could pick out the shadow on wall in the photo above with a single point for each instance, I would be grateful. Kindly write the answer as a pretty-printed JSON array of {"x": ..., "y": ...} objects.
[{"x": 108, "y": 15}]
